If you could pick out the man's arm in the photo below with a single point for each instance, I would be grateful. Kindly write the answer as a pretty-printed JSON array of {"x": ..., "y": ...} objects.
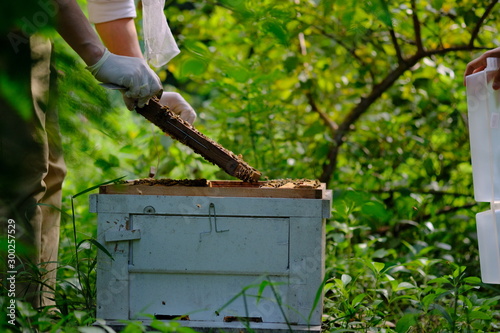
[
  {"x": 133, "y": 73},
  {"x": 76, "y": 30},
  {"x": 120, "y": 37}
]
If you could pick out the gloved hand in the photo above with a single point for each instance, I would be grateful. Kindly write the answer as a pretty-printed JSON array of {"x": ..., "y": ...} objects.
[
  {"x": 141, "y": 81},
  {"x": 178, "y": 105}
]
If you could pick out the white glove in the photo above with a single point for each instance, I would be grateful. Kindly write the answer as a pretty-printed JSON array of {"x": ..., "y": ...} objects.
[
  {"x": 178, "y": 105},
  {"x": 134, "y": 74}
]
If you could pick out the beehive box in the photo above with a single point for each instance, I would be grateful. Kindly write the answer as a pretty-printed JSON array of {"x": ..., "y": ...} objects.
[{"x": 221, "y": 256}]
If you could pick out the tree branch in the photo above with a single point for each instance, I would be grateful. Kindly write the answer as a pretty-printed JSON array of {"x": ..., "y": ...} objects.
[
  {"x": 445, "y": 210},
  {"x": 419, "y": 191},
  {"x": 362, "y": 107},
  {"x": 377, "y": 90},
  {"x": 402, "y": 227},
  {"x": 479, "y": 24},
  {"x": 351, "y": 51},
  {"x": 396, "y": 45},
  {"x": 332, "y": 125},
  {"x": 416, "y": 27}
]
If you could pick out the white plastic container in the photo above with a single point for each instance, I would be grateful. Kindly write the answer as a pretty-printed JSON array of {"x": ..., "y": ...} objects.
[
  {"x": 484, "y": 130},
  {"x": 483, "y": 104},
  {"x": 489, "y": 251}
]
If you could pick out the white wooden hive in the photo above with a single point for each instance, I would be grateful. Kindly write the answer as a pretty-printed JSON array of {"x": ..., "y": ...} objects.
[{"x": 221, "y": 258}]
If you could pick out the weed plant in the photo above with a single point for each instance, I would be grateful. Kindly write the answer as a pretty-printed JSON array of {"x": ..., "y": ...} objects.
[{"x": 404, "y": 278}]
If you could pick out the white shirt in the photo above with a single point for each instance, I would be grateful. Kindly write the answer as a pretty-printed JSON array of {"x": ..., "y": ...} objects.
[{"x": 109, "y": 10}]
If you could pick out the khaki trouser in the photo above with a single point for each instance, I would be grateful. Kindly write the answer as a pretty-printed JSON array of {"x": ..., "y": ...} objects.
[{"x": 32, "y": 171}]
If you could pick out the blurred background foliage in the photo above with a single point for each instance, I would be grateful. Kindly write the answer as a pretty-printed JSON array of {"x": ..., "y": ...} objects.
[
  {"x": 363, "y": 95},
  {"x": 366, "y": 96}
]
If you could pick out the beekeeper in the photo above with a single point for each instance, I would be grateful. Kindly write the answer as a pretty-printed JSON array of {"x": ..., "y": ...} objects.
[
  {"x": 32, "y": 168},
  {"x": 114, "y": 21}
]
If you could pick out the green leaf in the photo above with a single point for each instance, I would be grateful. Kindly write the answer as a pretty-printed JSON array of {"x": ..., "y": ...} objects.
[
  {"x": 133, "y": 327},
  {"x": 427, "y": 300},
  {"x": 317, "y": 298},
  {"x": 440, "y": 280},
  {"x": 491, "y": 300},
  {"x": 97, "y": 186},
  {"x": 437, "y": 4},
  {"x": 314, "y": 129},
  {"x": 278, "y": 30},
  {"x": 11, "y": 90},
  {"x": 291, "y": 63},
  {"x": 472, "y": 280},
  {"x": 346, "y": 279},
  {"x": 170, "y": 326},
  {"x": 429, "y": 166},
  {"x": 262, "y": 286},
  {"x": 376, "y": 267},
  {"x": 358, "y": 299},
  {"x": 381, "y": 253},
  {"x": 383, "y": 13},
  {"x": 90, "y": 329},
  {"x": 465, "y": 299},
  {"x": 470, "y": 18},
  {"x": 406, "y": 322},
  {"x": 111, "y": 162},
  {"x": 376, "y": 210},
  {"x": 238, "y": 73},
  {"x": 459, "y": 272},
  {"x": 98, "y": 245},
  {"x": 479, "y": 315},
  {"x": 197, "y": 49},
  {"x": 327, "y": 6},
  {"x": 128, "y": 149},
  {"x": 25, "y": 309},
  {"x": 443, "y": 312},
  {"x": 348, "y": 13},
  {"x": 339, "y": 284},
  {"x": 283, "y": 13},
  {"x": 55, "y": 208},
  {"x": 403, "y": 297},
  {"x": 329, "y": 286},
  {"x": 238, "y": 6},
  {"x": 193, "y": 66},
  {"x": 404, "y": 286}
]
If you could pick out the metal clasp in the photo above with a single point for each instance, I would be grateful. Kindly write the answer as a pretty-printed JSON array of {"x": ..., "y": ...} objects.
[
  {"x": 211, "y": 213},
  {"x": 212, "y": 219}
]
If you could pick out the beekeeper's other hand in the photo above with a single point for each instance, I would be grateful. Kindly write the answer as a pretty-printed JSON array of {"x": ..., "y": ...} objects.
[
  {"x": 178, "y": 105},
  {"x": 479, "y": 64},
  {"x": 140, "y": 81}
]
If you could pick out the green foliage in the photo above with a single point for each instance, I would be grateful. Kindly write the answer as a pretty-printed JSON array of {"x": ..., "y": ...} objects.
[
  {"x": 365, "y": 95},
  {"x": 403, "y": 279}
]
